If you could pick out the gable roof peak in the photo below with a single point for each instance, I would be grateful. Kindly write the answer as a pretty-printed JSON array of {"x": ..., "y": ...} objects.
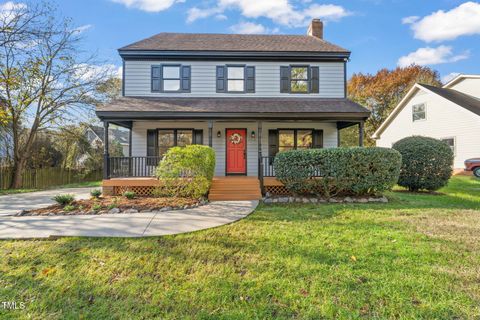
[{"x": 459, "y": 78}]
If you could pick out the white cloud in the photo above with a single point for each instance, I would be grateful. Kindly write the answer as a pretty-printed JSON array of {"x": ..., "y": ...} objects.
[
  {"x": 89, "y": 72},
  {"x": 430, "y": 56},
  {"x": 197, "y": 13},
  {"x": 10, "y": 6},
  {"x": 279, "y": 11},
  {"x": 83, "y": 28},
  {"x": 251, "y": 28},
  {"x": 248, "y": 28},
  {"x": 148, "y": 5},
  {"x": 8, "y": 9},
  {"x": 448, "y": 25},
  {"x": 221, "y": 16},
  {"x": 449, "y": 77},
  {"x": 326, "y": 12},
  {"x": 410, "y": 20}
]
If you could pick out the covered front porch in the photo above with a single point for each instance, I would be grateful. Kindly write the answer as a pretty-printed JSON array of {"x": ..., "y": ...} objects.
[
  {"x": 261, "y": 141},
  {"x": 246, "y": 133}
]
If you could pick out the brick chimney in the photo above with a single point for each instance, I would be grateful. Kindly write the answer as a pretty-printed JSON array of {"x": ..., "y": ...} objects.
[{"x": 315, "y": 29}]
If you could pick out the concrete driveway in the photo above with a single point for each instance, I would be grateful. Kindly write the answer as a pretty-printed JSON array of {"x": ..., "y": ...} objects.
[
  {"x": 13, "y": 203},
  {"x": 211, "y": 215}
]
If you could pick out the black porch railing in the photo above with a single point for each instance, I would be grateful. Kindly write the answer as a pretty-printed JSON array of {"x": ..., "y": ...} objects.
[{"x": 124, "y": 167}]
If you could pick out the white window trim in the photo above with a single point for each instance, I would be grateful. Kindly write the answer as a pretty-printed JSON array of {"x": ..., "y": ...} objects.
[
  {"x": 421, "y": 120},
  {"x": 454, "y": 144}
]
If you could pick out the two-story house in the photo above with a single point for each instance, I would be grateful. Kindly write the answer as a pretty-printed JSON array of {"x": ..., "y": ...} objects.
[{"x": 247, "y": 96}]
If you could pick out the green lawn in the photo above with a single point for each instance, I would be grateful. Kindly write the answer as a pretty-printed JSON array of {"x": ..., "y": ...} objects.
[
  {"x": 416, "y": 257},
  {"x": 71, "y": 185}
]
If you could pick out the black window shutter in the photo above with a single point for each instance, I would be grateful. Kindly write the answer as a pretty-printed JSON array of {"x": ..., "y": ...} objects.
[
  {"x": 152, "y": 150},
  {"x": 272, "y": 143},
  {"x": 186, "y": 78},
  {"x": 156, "y": 78},
  {"x": 198, "y": 136},
  {"x": 250, "y": 79},
  {"x": 318, "y": 139},
  {"x": 284, "y": 79},
  {"x": 221, "y": 79},
  {"x": 314, "y": 80}
]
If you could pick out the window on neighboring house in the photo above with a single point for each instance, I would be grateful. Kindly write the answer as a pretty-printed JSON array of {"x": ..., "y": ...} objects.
[
  {"x": 172, "y": 138},
  {"x": 235, "y": 79},
  {"x": 451, "y": 143},
  {"x": 418, "y": 112},
  {"x": 171, "y": 78},
  {"x": 299, "y": 80}
]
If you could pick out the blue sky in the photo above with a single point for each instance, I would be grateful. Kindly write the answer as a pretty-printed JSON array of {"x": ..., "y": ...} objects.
[{"x": 443, "y": 34}]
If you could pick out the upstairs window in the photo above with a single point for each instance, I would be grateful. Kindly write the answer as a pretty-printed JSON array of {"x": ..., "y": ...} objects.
[
  {"x": 170, "y": 78},
  {"x": 299, "y": 79},
  {"x": 418, "y": 112},
  {"x": 235, "y": 79}
]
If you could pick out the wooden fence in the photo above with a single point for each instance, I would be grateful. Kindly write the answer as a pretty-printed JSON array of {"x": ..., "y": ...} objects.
[{"x": 48, "y": 177}]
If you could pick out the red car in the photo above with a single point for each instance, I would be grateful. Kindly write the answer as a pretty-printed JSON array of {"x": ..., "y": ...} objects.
[{"x": 473, "y": 165}]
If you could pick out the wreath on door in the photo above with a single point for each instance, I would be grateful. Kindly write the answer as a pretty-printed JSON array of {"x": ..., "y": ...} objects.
[{"x": 235, "y": 138}]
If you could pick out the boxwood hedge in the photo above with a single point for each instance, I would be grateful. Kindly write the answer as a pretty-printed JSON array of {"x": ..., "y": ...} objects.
[
  {"x": 186, "y": 171},
  {"x": 426, "y": 163},
  {"x": 338, "y": 171}
]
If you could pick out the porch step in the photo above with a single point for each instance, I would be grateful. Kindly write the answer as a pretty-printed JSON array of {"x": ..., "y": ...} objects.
[{"x": 235, "y": 188}]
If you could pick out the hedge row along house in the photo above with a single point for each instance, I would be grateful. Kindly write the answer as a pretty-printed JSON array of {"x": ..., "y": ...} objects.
[{"x": 247, "y": 96}]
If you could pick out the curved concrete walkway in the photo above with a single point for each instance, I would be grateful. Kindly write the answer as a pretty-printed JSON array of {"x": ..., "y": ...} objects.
[
  {"x": 126, "y": 225},
  {"x": 12, "y": 203}
]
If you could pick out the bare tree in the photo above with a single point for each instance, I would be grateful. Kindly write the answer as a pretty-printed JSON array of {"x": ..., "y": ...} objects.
[{"x": 45, "y": 79}]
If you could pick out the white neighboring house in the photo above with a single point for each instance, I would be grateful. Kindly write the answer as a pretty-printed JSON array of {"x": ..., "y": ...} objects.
[{"x": 450, "y": 113}]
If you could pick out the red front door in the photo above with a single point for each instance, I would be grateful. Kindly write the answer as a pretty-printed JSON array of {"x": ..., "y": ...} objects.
[{"x": 236, "y": 151}]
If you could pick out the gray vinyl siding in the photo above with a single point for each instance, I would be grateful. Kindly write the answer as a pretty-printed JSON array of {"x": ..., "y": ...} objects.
[
  {"x": 139, "y": 137},
  {"x": 203, "y": 81}
]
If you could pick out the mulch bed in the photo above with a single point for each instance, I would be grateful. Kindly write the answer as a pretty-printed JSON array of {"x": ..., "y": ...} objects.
[{"x": 105, "y": 205}]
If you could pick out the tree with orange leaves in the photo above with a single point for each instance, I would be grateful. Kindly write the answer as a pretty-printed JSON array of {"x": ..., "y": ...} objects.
[{"x": 381, "y": 92}]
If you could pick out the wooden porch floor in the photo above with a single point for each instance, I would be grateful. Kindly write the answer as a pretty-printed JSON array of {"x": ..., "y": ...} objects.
[{"x": 229, "y": 188}]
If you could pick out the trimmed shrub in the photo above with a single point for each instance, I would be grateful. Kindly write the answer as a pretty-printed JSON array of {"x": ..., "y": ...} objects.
[
  {"x": 64, "y": 199},
  {"x": 426, "y": 163},
  {"x": 129, "y": 195},
  {"x": 186, "y": 171},
  {"x": 338, "y": 171}
]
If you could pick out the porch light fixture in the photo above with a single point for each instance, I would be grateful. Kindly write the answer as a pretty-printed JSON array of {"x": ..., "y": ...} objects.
[
  {"x": 253, "y": 135},
  {"x": 219, "y": 134}
]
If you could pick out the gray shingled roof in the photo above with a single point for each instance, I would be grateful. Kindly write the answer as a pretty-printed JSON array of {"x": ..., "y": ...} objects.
[
  {"x": 252, "y": 106},
  {"x": 463, "y": 100},
  {"x": 234, "y": 43}
]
